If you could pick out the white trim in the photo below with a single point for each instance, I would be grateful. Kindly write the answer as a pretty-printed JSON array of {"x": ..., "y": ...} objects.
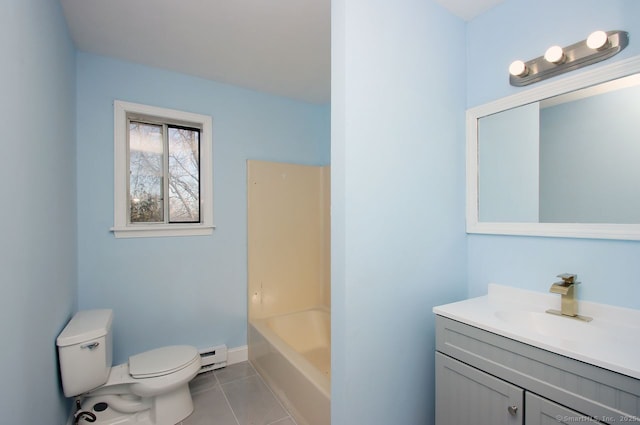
[
  {"x": 573, "y": 230},
  {"x": 237, "y": 355},
  {"x": 152, "y": 230},
  {"x": 121, "y": 228}
]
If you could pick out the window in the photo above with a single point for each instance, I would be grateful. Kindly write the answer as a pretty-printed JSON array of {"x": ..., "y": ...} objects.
[{"x": 163, "y": 172}]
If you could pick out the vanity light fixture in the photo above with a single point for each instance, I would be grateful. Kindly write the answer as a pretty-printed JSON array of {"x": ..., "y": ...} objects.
[
  {"x": 597, "y": 47},
  {"x": 518, "y": 68},
  {"x": 598, "y": 40},
  {"x": 554, "y": 54}
]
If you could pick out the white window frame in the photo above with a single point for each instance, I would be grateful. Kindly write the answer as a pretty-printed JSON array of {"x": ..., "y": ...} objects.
[{"x": 122, "y": 227}]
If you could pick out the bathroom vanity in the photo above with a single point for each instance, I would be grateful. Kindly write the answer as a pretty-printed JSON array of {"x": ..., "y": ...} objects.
[{"x": 500, "y": 359}]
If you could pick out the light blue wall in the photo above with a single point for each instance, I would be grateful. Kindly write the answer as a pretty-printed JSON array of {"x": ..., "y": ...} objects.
[
  {"x": 38, "y": 214},
  {"x": 190, "y": 290},
  {"x": 523, "y": 29},
  {"x": 398, "y": 242}
]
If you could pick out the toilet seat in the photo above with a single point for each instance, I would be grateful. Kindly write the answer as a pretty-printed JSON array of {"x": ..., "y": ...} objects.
[
  {"x": 161, "y": 361},
  {"x": 168, "y": 375}
]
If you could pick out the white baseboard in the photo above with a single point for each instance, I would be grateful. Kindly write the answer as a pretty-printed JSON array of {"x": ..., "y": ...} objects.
[{"x": 237, "y": 355}]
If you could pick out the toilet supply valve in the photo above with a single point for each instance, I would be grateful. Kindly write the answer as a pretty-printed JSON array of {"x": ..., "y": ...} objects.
[
  {"x": 87, "y": 416},
  {"x": 82, "y": 414}
]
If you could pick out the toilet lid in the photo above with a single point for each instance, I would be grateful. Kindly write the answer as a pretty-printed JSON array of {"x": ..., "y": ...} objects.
[{"x": 161, "y": 361}]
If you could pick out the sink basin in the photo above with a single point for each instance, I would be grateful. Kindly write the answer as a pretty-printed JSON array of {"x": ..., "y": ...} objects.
[
  {"x": 567, "y": 329},
  {"x": 546, "y": 324}
]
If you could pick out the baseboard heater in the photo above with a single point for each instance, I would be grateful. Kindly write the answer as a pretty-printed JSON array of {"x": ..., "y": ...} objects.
[{"x": 213, "y": 358}]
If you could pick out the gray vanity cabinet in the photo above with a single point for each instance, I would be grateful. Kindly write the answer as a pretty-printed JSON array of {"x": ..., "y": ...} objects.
[
  {"x": 468, "y": 396},
  {"x": 486, "y": 379},
  {"x": 541, "y": 411}
]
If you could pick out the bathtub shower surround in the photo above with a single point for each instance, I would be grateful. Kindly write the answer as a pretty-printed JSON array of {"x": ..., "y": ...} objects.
[
  {"x": 289, "y": 289},
  {"x": 288, "y": 237}
]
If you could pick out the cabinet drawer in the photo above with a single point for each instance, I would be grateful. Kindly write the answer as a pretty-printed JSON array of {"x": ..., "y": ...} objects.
[{"x": 540, "y": 411}]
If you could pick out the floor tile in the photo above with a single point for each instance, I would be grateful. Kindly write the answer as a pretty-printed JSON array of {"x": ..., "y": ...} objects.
[
  {"x": 252, "y": 401},
  {"x": 234, "y": 371},
  {"x": 234, "y": 395},
  {"x": 203, "y": 382},
  {"x": 285, "y": 421},
  {"x": 211, "y": 408}
]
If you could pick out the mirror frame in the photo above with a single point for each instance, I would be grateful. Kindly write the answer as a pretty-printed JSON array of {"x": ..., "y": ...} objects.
[{"x": 570, "y": 230}]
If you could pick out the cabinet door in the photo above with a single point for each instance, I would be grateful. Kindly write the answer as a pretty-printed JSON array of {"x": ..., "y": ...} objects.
[
  {"x": 541, "y": 411},
  {"x": 468, "y": 396}
]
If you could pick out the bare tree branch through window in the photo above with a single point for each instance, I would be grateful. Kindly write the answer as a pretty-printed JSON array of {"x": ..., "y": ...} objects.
[{"x": 154, "y": 149}]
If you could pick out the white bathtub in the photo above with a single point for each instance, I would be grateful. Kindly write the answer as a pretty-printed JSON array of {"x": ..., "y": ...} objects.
[{"x": 292, "y": 353}]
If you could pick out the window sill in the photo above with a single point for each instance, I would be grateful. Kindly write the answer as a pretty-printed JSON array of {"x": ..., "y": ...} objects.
[{"x": 155, "y": 231}]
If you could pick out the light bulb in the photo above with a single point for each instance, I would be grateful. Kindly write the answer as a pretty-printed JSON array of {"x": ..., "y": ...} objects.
[
  {"x": 518, "y": 68},
  {"x": 554, "y": 54},
  {"x": 597, "y": 40}
]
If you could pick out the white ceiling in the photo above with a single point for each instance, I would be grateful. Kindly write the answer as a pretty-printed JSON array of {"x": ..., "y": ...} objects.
[{"x": 280, "y": 47}]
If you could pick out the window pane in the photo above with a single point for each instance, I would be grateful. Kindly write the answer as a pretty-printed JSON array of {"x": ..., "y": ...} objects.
[
  {"x": 145, "y": 171},
  {"x": 184, "y": 175}
]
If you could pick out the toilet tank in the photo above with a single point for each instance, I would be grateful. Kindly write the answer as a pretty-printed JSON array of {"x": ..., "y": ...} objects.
[{"x": 85, "y": 351}]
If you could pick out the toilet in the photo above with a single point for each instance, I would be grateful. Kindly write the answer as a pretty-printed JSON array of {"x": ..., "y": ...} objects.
[{"x": 152, "y": 388}]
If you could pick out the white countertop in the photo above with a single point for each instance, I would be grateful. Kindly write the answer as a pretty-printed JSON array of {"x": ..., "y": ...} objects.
[{"x": 611, "y": 340}]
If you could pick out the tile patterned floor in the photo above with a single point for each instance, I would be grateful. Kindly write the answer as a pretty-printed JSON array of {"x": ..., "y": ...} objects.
[{"x": 235, "y": 395}]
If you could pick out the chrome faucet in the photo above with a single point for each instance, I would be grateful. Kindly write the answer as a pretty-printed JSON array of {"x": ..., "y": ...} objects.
[{"x": 568, "y": 302}]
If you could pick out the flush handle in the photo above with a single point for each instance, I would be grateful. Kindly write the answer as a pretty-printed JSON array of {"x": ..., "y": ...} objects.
[
  {"x": 513, "y": 410},
  {"x": 91, "y": 345}
]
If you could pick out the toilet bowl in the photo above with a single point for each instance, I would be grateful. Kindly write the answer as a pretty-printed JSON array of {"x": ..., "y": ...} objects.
[{"x": 152, "y": 388}]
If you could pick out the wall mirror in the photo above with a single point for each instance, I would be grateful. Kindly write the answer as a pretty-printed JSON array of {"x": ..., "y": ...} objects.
[{"x": 561, "y": 159}]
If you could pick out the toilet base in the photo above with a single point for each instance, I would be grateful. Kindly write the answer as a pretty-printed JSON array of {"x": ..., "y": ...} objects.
[{"x": 165, "y": 409}]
